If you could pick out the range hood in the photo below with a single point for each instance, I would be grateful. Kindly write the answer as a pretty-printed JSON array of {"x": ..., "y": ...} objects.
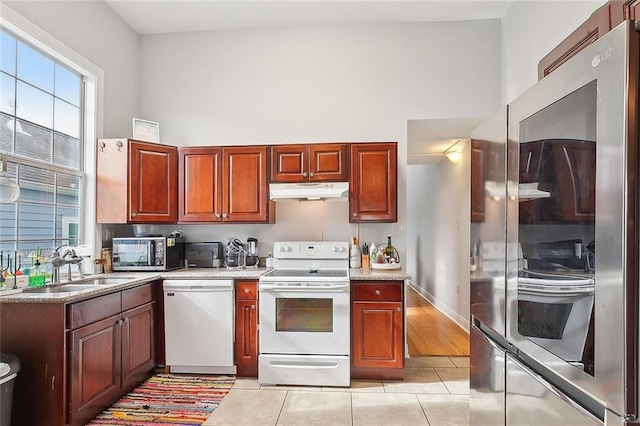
[
  {"x": 530, "y": 191},
  {"x": 309, "y": 191}
]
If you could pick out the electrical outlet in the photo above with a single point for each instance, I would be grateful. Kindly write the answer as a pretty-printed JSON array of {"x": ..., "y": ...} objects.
[{"x": 399, "y": 224}]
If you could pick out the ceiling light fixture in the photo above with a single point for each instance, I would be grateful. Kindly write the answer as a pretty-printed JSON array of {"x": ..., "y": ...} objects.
[
  {"x": 452, "y": 154},
  {"x": 9, "y": 189}
]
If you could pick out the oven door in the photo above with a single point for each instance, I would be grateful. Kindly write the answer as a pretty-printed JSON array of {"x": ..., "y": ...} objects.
[
  {"x": 555, "y": 314},
  {"x": 571, "y": 160},
  {"x": 304, "y": 318}
]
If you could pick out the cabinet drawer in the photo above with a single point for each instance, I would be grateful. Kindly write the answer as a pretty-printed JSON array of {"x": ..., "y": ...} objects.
[
  {"x": 378, "y": 291},
  {"x": 246, "y": 290},
  {"x": 137, "y": 296},
  {"x": 91, "y": 310}
]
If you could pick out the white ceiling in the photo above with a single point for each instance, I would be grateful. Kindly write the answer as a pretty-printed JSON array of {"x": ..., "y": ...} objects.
[
  {"x": 427, "y": 139},
  {"x": 174, "y": 16}
]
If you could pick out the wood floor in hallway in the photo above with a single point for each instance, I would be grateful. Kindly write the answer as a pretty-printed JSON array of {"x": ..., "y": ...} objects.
[{"x": 430, "y": 332}]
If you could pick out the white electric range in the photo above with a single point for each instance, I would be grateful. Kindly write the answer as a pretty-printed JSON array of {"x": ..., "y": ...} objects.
[{"x": 305, "y": 332}]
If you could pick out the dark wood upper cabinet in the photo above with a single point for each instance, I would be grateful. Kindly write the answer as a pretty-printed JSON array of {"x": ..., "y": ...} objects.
[
  {"x": 245, "y": 192},
  {"x": 200, "y": 181},
  {"x": 309, "y": 163},
  {"x": 136, "y": 182},
  {"x": 224, "y": 184},
  {"x": 478, "y": 162},
  {"x": 566, "y": 169},
  {"x": 575, "y": 164},
  {"x": 598, "y": 24},
  {"x": 373, "y": 184},
  {"x": 622, "y": 10}
]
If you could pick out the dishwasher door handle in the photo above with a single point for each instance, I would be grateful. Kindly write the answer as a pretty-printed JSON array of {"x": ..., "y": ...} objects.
[{"x": 197, "y": 288}]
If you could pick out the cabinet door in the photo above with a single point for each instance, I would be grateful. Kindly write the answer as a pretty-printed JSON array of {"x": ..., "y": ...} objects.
[
  {"x": 377, "y": 335},
  {"x": 373, "y": 184},
  {"x": 598, "y": 24},
  {"x": 246, "y": 338},
  {"x": 289, "y": 163},
  {"x": 575, "y": 164},
  {"x": 138, "y": 360},
  {"x": 200, "y": 182},
  {"x": 94, "y": 366},
  {"x": 245, "y": 191},
  {"x": 328, "y": 162},
  {"x": 153, "y": 181},
  {"x": 622, "y": 10},
  {"x": 477, "y": 181}
]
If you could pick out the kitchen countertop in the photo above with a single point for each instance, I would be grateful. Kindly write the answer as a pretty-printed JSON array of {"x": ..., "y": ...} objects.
[
  {"x": 377, "y": 275},
  {"x": 138, "y": 278}
]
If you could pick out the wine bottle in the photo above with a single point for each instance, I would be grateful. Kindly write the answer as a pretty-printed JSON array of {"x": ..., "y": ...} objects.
[{"x": 389, "y": 251}]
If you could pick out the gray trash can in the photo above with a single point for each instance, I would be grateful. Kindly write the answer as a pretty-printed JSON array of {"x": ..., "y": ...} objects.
[{"x": 9, "y": 367}]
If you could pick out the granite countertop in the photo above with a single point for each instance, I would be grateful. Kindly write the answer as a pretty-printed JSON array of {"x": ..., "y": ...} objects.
[
  {"x": 132, "y": 279},
  {"x": 377, "y": 275}
]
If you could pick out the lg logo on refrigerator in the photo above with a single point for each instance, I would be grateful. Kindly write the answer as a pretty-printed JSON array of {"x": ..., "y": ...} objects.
[{"x": 599, "y": 58}]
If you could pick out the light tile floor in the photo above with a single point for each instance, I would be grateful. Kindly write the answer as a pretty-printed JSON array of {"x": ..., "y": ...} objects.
[{"x": 435, "y": 392}]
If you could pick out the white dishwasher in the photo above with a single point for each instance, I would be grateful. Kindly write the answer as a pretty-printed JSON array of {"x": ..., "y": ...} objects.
[{"x": 198, "y": 326}]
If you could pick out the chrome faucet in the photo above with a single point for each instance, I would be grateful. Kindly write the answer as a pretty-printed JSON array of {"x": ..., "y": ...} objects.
[{"x": 68, "y": 258}]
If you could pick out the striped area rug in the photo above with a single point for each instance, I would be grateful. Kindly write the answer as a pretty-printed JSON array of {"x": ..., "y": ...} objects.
[{"x": 182, "y": 399}]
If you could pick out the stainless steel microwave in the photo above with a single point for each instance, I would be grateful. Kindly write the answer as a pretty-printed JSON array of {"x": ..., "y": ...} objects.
[{"x": 148, "y": 253}]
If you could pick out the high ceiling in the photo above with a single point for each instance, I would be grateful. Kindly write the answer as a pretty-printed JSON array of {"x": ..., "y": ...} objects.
[
  {"x": 173, "y": 16},
  {"x": 427, "y": 139}
]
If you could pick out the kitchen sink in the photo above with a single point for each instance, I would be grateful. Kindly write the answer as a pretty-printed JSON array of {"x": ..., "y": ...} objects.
[
  {"x": 99, "y": 281},
  {"x": 80, "y": 285},
  {"x": 64, "y": 288}
]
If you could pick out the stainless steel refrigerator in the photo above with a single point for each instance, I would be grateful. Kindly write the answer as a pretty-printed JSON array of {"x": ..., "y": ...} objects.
[{"x": 554, "y": 333}]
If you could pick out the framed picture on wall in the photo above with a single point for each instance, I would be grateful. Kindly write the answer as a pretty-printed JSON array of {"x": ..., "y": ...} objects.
[{"x": 144, "y": 130}]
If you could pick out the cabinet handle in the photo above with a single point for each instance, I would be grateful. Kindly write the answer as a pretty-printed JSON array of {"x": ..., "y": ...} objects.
[
  {"x": 224, "y": 215},
  {"x": 120, "y": 322},
  {"x": 218, "y": 215},
  {"x": 246, "y": 291},
  {"x": 304, "y": 174},
  {"x": 253, "y": 306},
  {"x": 399, "y": 309},
  {"x": 354, "y": 214},
  {"x": 311, "y": 174},
  {"x": 378, "y": 292},
  {"x": 134, "y": 214}
]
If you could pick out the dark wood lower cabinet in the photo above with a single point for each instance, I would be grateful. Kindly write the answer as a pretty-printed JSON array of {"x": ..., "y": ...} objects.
[
  {"x": 94, "y": 365},
  {"x": 77, "y": 359},
  {"x": 377, "y": 327},
  {"x": 246, "y": 330}
]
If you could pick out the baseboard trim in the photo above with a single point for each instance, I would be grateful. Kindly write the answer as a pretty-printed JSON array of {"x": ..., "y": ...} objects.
[{"x": 461, "y": 321}]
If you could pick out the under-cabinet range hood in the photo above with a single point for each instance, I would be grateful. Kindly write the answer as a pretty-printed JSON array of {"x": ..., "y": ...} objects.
[
  {"x": 309, "y": 191},
  {"x": 530, "y": 191}
]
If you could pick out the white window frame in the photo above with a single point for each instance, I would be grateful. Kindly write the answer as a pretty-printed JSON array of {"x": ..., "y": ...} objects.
[{"x": 93, "y": 77}]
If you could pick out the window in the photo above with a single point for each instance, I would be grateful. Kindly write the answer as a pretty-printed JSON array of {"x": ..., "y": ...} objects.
[{"x": 41, "y": 133}]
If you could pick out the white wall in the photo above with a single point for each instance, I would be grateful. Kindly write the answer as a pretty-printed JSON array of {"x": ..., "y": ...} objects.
[
  {"x": 438, "y": 220},
  {"x": 530, "y": 30},
  {"x": 439, "y": 250},
  {"x": 93, "y": 30},
  {"x": 342, "y": 83}
]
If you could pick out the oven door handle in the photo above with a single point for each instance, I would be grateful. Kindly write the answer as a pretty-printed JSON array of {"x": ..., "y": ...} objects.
[
  {"x": 560, "y": 291},
  {"x": 280, "y": 287},
  {"x": 542, "y": 281}
]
